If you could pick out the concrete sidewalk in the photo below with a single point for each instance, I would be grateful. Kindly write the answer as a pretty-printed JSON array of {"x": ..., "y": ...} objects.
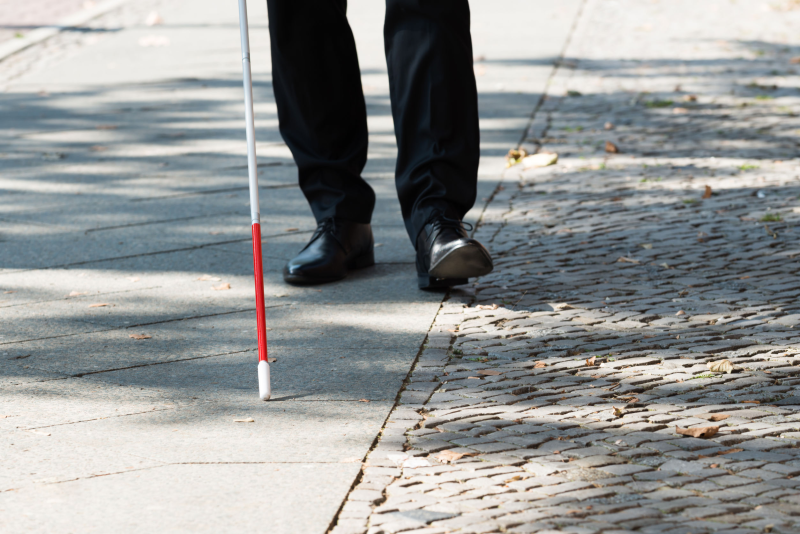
[{"x": 124, "y": 215}]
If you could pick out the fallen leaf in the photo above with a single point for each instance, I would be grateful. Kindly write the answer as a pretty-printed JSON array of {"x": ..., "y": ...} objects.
[
  {"x": 209, "y": 278},
  {"x": 248, "y": 420},
  {"x": 623, "y": 259},
  {"x": 590, "y": 361},
  {"x": 98, "y": 148},
  {"x": 513, "y": 479},
  {"x": 744, "y": 277},
  {"x": 609, "y": 126},
  {"x": 272, "y": 360},
  {"x": 487, "y": 307},
  {"x": 681, "y": 312},
  {"x": 690, "y": 98},
  {"x": 221, "y": 287},
  {"x": 473, "y": 378},
  {"x": 542, "y": 159},
  {"x": 291, "y": 230},
  {"x": 449, "y": 456},
  {"x": 612, "y": 388},
  {"x": 729, "y": 451},
  {"x": 77, "y": 293},
  {"x": 489, "y": 372},
  {"x": 539, "y": 365},
  {"x": 743, "y": 218},
  {"x": 751, "y": 402},
  {"x": 39, "y": 432},
  {"x": 714, "y": 416},
  {"x": 722, "y": 366},
  {"x": 139, "y": 336},
  {"x": 611, "y": 148},
  {"x": 713, "y": 466},
  {"x": 154, "y": 19},
  {"x": 664, "y": 265},
  {"x": 679, "y": 111},
  {"x": 364, "y": 400},
  {"x": 514, "y": 156},
  {"x": 707, "y": 193},
  {"x": 704, "y": 432},
  {"x": 618, "y": 412},
  {"x": 795, "y": 60},
  {"x": 646, "y": 246},
  {"x": 99, "y": 305},
  {"x": 633, "y": 400},
  {"x": 106, "y": 127}
]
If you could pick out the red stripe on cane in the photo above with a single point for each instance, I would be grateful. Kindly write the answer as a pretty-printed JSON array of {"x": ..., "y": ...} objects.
[{"x": 261, "y": 319}]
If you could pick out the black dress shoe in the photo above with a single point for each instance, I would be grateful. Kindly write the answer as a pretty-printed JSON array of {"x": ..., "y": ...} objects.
[
  {"x": 447, "y": 256},
  {"x": 336, "y": 247}
]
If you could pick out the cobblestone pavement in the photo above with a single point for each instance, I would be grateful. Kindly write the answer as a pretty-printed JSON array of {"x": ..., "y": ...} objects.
[
  {"x": 549, "y": 396},
  {"x": 18, "y": 18}
]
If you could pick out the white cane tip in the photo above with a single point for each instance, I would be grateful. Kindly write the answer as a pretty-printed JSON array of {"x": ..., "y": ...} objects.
[{"x": 264, "y": 386}]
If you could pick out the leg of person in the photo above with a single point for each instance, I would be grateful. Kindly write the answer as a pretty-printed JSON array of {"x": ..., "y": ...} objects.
[
  {"x": 323, "y": 119},
  {"x": 435, "y": 109}
]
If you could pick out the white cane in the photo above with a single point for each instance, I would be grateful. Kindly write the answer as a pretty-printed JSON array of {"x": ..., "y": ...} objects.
[{"x": 264, "y": 388}]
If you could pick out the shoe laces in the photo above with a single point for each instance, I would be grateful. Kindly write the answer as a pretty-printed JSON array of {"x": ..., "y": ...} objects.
[
  {"x": 440, "y": 222},
  {"x": 326, "y": 226}
]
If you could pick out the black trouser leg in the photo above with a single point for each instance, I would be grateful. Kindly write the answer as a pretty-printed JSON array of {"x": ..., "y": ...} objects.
[
  {"x": 321, "y": 108},
  {"x": 435, "y": 108}
]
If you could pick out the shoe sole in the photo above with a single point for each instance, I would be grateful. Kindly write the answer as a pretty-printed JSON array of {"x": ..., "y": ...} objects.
[
  {"x": 361, "y": 262},
  {"x": 464, "y": 262},
  {"x": 455, "y": 268}
]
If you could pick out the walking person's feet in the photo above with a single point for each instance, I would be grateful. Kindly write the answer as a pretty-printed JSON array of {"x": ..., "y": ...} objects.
[
  {"x": 447, "y": 256},
  {"x": 337, "y": 247}
]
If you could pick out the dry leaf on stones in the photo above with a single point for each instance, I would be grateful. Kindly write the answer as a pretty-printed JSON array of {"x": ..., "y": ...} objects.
[
  {"x": 99, "y": 305},
  {"x": 729, "y": 451},
  {"x": 489, "y": 372},
  {"x": 221, "y": 287},
  {"x": 106, "y": 127},
  {"x": 539, "y": 365},
  {"x": 611, "y": 148},
  {"x": 590, "y": 361},
  {"x": 704, "y": 432},
  {"x": 722, "y": 366},
  {"x": 751, "y": 402},
  {"x": 139, "y": 336},
  {"x": 473, "y": 378},
  {"x": 209, "y": 278},
  {"x": 76, "y": 293},
  {"x": 714, "y": 416},
  {"x": 247, "y": 420},
  {"x": 542, "y": 159},
  {"x": 679, "y": 111},
  {"x": 680, "y": 312},
  {"x": 646, "y": 246},
  {"x": 618, "y": 412},
  {"x": 291, "y": 230},
  {"x": 623, "y": 259},
  {"x": 609, "y": 126},
  {"x": 451, "y": 456},
  {"x": 487, "y": 306},
  {"x": 363, "y": 400},
  {"x": 708, "y": 192},
  {"x": 271, "y": 360}
]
